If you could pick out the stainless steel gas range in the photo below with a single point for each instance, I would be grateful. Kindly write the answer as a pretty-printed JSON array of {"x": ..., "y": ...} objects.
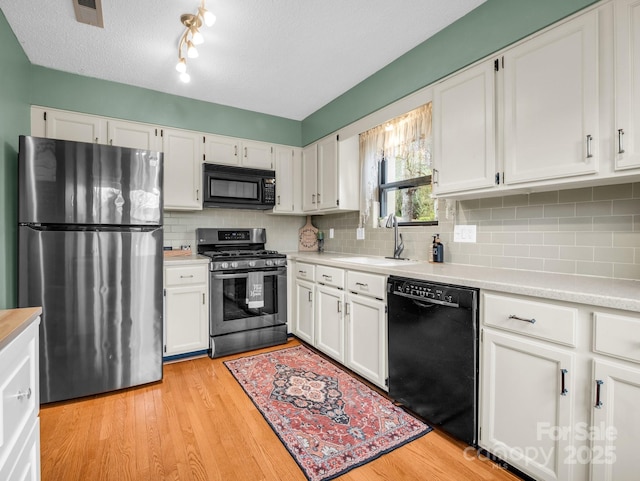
[{"x": 248, "y": 290}]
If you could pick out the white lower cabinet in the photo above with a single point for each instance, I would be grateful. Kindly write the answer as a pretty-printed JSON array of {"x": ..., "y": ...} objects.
[
  {"x": 19, "y": 407},
  {"x": 186, "y": 308},
  {"x": 330, "y": 321},
  {"x": 560, "y": 388},
  {"x": 366, "y": 338},
  {"x": 343, "y": 314},
  {"x": 523, "y": 400}
]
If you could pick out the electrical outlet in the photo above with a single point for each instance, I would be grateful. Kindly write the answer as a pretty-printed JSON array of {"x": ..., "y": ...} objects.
[
  {"x": 360, "y": 233},
  {"x": 330, "y": 233},
  {"x": 464, "y": 233}
]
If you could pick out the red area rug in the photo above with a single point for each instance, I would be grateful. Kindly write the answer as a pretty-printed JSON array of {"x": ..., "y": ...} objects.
[{"x": 328, "y": 420}]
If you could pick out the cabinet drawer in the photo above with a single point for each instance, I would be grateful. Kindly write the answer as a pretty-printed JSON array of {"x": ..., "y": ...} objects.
[
  {"x": 330, "y": 276},
  {"x": 617, "y": 335},
  {"x": 18, "y": 388},
  {"x": 305, "y": 271},
  {"x": 551, "y": 322},
  {"x": 186, "y": 275},
  {"x": 368, "y": 284}
]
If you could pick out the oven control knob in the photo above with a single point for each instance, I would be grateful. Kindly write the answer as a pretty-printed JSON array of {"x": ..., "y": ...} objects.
[
  {"x": 234, "y": 264},
  {"x": 252, "y": 263},
  {"x": 269, "y": 262},
  {"x": 224, "y": 265}
]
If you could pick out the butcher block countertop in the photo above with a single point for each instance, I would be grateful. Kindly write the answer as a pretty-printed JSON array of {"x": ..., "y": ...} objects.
[
  {"x": 14, "y": 321},
  {"x": 595, "y": 291}
]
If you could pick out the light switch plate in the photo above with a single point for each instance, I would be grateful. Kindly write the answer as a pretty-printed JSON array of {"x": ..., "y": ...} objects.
[
  {"x": 464, "y": 233},
  {"x": 330, "y": 233},
  {"x": 360, "y": 233}
]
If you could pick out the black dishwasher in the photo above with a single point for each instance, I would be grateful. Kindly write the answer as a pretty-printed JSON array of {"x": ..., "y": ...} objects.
[{"x": 433, "y": 353}]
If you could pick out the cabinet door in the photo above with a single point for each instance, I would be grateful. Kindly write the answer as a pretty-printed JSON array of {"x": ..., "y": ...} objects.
[
  {"x": 551, "y": 104},
  {"x": 257, "y": 155},
  {"x": 221, "y": 150},
  {"x": 328, "y": 173},
  {"x": 310, "y": 178},
  {"x": 133, "y": 135},
  {"x": 366, "y": 351},
  {"x": 616, "y": 423},
  {"x": 464, "y": 131},
  {"x": 304, "y": 319},
  {"x": 522, "y": 404},
  {"x": 329, "y": 321},
  {"x": 76, "y": 127},
  {"x": 627, "y": 73},
  {"x": 186, "y": 323},
  {"x": 182, "y": 169},
  {"x": 286, "y": 179}
]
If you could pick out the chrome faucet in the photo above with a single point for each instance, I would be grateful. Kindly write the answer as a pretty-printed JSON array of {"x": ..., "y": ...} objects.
[{"x": 398, "y": 244}]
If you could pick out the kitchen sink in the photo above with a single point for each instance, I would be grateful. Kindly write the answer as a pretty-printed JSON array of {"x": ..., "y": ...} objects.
[{"x": 376, "y": 261}]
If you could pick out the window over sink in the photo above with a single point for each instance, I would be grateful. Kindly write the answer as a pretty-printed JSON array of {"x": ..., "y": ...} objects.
[{"x": 396, "y": 160}]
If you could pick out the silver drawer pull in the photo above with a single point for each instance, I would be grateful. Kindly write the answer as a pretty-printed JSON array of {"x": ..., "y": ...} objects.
[
  {"x": 513, "y": 316},
  {"x": 186, "y": 277},
  {"x": 24, "y": 395},
  {"x": 329, "y": 278},
  {"x": 302, "y": 273},
  {"x": 364, "y": 286}
]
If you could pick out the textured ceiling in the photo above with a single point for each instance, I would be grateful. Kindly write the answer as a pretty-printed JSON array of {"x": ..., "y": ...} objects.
[{"x": 281, "y": 57}]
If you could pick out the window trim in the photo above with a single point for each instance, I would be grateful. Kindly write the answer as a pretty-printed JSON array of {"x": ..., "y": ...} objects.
[{"x": 385, "y": 187}]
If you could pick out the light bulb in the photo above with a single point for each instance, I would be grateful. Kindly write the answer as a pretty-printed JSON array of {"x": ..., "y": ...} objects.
[
  {"x": 181, "y": 66},
  {"x": 192, "y": 52},
  {"x": 185, "y": 77},
  {"x": 209, "y": 18},
  {"x": 196, "y": 36}
]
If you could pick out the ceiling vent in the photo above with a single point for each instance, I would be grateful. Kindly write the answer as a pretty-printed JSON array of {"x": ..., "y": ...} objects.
[{"x": 89, "y": 12}]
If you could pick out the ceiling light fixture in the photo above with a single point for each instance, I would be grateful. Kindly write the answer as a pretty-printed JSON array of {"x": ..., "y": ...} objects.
[{"x": 192, "y": 37}]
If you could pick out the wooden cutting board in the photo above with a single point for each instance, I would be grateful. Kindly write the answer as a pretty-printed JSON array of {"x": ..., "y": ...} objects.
[{"x": 308, "y": 237}]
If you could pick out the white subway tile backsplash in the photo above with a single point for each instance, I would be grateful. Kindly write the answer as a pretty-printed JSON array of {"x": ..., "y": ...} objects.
[{"x": 591, "y": 231}]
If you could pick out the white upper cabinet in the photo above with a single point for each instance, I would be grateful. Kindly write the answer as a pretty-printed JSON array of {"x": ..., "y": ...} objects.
[
  {"x": 550, "y": 100},
  {"x": 242, "y": 153},
  {"x": 627, "y": 72},
  {"x": 288, "y": 180},
  {"x": 464, "y": 131},
  {"x": 133, "y": 135},
  {"x": 330, "y": 175},
  {"x": 63, "y": 125},
  {"x": 310, "y": 178},
  {"x": 182, "y": 169}
]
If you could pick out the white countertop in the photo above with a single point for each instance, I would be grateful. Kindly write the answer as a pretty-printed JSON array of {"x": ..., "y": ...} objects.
[
  {"x": 596, "y": 291},
  {"x": 175, "y": 260}
]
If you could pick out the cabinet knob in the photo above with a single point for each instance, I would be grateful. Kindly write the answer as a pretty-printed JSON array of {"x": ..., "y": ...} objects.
[{"x": 24, "y": 395}]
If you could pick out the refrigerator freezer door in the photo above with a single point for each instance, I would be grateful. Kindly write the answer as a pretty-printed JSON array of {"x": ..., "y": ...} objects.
[
  {"x": 101, "y": 298},
  {"x": 64, "y": 182}
]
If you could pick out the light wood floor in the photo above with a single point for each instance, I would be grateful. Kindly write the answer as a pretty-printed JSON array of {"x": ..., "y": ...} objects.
[{"x": 198, "y": 424}]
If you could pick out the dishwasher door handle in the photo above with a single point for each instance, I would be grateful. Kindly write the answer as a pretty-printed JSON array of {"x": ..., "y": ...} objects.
[{"x": 424, "y": 301}]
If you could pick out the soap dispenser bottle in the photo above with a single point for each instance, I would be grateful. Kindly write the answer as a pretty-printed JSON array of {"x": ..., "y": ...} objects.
[{"x": 438, "y": 249}]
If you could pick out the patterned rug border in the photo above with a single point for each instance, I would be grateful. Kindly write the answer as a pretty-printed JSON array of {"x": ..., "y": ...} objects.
[{"x": 348, "y": 468}]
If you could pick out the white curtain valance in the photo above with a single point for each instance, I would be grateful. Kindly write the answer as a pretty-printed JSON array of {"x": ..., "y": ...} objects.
[{"x": 396, "y": 138}]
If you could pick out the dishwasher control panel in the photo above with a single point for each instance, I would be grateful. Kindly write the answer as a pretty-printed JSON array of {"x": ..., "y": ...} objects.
[{"x": 428, "y": 292}]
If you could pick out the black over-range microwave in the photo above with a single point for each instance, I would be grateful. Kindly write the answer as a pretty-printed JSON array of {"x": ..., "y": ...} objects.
[{"x": 238, "y": 187}]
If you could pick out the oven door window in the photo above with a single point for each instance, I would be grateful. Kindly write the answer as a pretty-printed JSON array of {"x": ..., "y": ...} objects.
[
  {"x": 230, "y": 311},
  {"x": 235, "y": 298}
]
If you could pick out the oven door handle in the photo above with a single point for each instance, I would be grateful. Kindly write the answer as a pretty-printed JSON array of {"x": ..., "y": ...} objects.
[{"x": 244, "y": 275}]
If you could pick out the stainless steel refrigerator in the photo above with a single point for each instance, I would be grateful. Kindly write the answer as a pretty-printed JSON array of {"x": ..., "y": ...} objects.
[{"x": 90, "y": 253}]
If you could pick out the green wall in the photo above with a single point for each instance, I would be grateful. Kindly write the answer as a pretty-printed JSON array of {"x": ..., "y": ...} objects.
[
  {"x": 56, "y": 89},
  {"x": 487, "y": 29},
  {"x": 14, "y": 120}
]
